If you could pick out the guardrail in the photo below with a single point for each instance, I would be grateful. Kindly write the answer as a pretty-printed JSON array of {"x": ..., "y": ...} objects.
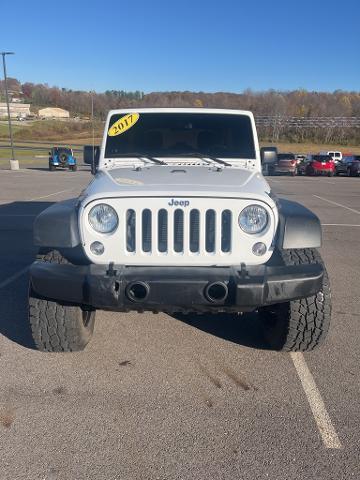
[{"x": 307, "y": 122}]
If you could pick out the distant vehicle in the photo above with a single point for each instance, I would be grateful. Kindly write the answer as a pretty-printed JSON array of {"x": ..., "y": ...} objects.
[
  {"x": 317, "y": 165},
  {"x": 286, "y": 163},
  {"x": 62, "y": 157},
  {"x": 349, "y": 165},
  {"x": 300, "y": 158},
  {"x": 335, "y": 155}
]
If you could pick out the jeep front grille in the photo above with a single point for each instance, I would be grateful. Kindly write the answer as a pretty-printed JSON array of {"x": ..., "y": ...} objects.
[{"x": 180, "y": 231}]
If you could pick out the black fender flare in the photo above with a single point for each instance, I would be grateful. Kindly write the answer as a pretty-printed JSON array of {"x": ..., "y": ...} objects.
[
  {"x": 57, "y": 226},
  {"x": 298, "y": 226}
]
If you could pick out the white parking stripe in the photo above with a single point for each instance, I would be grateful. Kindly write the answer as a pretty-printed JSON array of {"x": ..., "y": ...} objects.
[
  {"x": 339, "y": 225},
  {"x": 13, "y": 277},
  {"x": 50, "y": 195},
  {"x": 321, "y": 416},
  {"x": 337, "y": 204}
]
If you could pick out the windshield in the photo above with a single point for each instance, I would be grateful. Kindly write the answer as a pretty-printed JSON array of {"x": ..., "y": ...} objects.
[
  {"x": 176, "y": 134},
  {"x": 321, "y": 158},
  {"x": 59, "y": 151},
  {"x": 286, "y": 156}
]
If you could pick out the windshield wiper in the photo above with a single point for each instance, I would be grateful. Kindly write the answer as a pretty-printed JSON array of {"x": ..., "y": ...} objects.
[
  {"x": 203, "y": 157},
  {"x": 154, "y": 160}
]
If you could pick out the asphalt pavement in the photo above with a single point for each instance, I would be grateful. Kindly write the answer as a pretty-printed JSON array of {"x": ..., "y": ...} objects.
[{"x": 192, "y": 397}]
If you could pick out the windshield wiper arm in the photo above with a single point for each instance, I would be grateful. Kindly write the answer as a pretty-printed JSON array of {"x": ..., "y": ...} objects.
[
  {"x": 154, "y": 160},
  {"x": 204, "y": 157}
]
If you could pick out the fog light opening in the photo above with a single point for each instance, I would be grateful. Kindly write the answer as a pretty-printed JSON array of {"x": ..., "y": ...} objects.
[
  {"x": 216, "y": 292},
  {"x": 97, "y": 248},
  {"x": 137, "y": 291},
  {"x": 259, "y": 249}
]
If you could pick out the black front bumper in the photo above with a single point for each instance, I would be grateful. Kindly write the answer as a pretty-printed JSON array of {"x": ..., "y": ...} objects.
[{"x": 174, "y": 289}]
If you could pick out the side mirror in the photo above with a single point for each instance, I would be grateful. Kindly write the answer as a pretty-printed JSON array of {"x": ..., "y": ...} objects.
[
  {"x": 268, "y": 155},
  {"x": 91, "y": 157}
]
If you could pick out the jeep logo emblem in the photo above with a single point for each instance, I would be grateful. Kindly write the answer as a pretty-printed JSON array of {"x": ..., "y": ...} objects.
[{"x": 178, "y": 203}]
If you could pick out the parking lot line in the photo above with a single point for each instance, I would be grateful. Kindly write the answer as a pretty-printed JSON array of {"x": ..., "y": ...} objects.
[
  {"x": 339, "y": 225},
  {"x": 337, "y": 204},
  {"x": 13, "y": 277},
  {"x": 321, "y": 416}
]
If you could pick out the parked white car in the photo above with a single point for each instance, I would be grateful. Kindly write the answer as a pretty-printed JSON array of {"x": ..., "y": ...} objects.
[
  {"x": 178, "y": 218},
  {"x": 335, "y": 155}
]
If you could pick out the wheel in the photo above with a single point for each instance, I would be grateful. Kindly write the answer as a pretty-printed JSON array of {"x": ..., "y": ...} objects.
[
  {"x": 299, "y": 325},
  {"x": 348, "y": 172},
  {"x": 73, "y": 168},
  {"x": 56, "y": 327},
  {"x": 52, "y": 167},
  {"x": 330, "y": 174},
  {"x": 293, "y": 173}
]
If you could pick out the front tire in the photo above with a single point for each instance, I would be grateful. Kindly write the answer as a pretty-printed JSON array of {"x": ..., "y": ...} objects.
[
  {"x": 299, "y": 325},
  {"x": 56, "y": 327}
]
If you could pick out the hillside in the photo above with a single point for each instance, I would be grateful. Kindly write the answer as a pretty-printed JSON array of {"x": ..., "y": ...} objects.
[{"x": 297, "y": 104}]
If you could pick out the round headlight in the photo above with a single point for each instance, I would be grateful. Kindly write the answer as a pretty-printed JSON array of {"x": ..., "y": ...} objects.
[
  {"x": 253, "y": 219},
  {"x": 103, "y": 218}
]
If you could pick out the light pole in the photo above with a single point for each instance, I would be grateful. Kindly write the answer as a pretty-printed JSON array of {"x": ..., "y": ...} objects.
[
  {"x": 14, "y": 164},
  {"x": 92, "y": 125}
]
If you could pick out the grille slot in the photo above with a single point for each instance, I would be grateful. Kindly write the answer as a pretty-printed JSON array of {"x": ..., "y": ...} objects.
[
  {"x": 194, "y": 233},
  {"x": 162, "y": 230},
  {"x": 210, "y": 231},
  {"x": 226, "y": 231},
  {"x": 178, "y": 231},
  {"x": 130, "y": 230},
  {"x": 146, "y": 230}
]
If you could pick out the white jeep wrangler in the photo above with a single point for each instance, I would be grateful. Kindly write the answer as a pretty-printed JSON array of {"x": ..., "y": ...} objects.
[{"x": 179, "y": 218}]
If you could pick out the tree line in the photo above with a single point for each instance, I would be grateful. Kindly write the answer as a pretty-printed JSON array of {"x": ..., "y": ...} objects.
[{"x": 272, "y": 103}]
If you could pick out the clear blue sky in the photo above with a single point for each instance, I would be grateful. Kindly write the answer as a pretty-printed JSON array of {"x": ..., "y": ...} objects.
[{"x": 197, "y": 45}]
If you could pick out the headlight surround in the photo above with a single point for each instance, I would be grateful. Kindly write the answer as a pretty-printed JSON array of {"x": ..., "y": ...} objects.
[
  {"x": 103, "y": 218},
  {"x": 253, "y": 219}
]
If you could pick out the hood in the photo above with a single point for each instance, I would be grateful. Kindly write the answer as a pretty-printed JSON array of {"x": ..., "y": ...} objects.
[{"x": 178, "y": 181}]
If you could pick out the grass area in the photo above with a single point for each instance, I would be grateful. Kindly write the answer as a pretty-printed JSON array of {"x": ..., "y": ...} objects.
[
  {"x": 19, "y": 154},
  {"x": 4, "y": 130},
  {"x": 53, "y": 131}
]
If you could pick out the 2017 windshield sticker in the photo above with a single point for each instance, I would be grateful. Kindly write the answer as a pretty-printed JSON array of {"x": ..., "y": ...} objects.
[{"x": 123, "y": 124}]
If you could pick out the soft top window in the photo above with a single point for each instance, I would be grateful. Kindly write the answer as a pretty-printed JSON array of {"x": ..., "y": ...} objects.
[{"x": 176, "y": 134}]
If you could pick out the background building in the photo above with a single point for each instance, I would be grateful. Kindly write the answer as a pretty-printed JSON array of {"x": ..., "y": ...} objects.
[
  {"x": 53, "y": 112},
  {"x": 16, "y": 110}
]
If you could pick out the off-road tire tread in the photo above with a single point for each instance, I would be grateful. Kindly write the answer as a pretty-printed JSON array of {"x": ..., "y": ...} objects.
[
  {"x": 56, "y": 327},
  {"x": 305, "y": 321}
]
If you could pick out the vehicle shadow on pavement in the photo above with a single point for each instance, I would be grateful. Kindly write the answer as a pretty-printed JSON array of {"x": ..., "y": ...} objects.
[
  {"x": 245, "y": 329},
  {"x": 17, "y": 252}
]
